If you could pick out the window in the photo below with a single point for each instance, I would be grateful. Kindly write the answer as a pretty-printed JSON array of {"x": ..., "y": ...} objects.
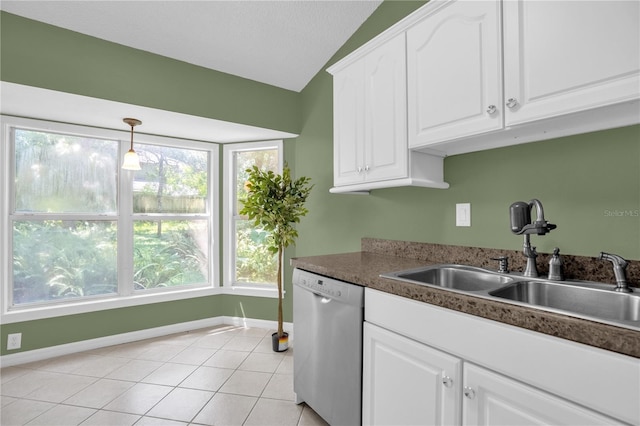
[
  {"x": 80, "y": 228},
  {"x": 250, "y": 267},
  {"x": 64, "y": 222},
  {"x": 170, "y": 220}
]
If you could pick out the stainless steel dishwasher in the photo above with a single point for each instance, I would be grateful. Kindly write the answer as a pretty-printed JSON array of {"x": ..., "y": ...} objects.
[{"x": 327, "y": 353}]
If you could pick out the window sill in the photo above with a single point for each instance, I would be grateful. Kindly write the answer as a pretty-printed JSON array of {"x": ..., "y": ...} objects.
[
  {"x": 271, "y": 292},
  {"x": 94, "y": 305}
]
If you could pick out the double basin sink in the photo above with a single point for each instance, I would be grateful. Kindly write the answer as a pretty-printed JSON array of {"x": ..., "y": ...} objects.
[{"x": 583, "y": 299}]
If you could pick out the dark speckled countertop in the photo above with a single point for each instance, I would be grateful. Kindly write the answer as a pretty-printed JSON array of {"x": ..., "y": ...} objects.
[{"x": 364, "y": 268}]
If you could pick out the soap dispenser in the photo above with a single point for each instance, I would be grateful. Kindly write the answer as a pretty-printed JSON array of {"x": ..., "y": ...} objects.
[{"x": 555, "y": 266}]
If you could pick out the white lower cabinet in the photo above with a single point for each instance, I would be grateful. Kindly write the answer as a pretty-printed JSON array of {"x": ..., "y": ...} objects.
[
  {"x": 426, "y": 365},
  {"x": 492, "y": 399},
  {"x": 408, "y": 383}
]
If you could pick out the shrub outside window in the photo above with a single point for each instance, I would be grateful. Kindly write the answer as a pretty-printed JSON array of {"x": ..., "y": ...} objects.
[{"x": 64, "y": 223}]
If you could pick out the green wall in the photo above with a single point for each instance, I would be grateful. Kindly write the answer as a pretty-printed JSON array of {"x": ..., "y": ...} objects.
[{"x": 581, "y": 180}]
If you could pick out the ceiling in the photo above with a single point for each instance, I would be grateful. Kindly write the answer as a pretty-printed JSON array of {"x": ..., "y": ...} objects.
[{"x": 281, "y": 43}]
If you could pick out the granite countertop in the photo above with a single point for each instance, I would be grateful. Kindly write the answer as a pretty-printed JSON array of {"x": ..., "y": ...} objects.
[{"x": 364, "y": 268}]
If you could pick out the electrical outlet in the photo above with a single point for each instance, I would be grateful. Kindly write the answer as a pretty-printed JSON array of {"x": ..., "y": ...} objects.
[
  {"x": 463, "y": 214},
  {"x": 14, "y": 341}
]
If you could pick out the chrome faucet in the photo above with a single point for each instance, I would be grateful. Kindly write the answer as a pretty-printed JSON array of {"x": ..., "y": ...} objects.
[
  {"x": 521, "y": 224},
  {"x": 619, "y": 270}
]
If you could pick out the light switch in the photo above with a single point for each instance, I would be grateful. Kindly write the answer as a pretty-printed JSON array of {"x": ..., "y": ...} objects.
[{"x": 463, "y": 214}]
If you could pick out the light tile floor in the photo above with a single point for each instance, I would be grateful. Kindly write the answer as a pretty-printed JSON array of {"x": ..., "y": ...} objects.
[{"x": 218, "y": 376}]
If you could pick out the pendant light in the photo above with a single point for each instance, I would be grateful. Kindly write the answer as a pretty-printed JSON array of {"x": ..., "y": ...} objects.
[{"x": 131, "y": 160}]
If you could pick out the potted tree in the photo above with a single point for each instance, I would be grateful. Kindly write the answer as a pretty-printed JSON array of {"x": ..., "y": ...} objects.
[{"x": 276, "y": 203}]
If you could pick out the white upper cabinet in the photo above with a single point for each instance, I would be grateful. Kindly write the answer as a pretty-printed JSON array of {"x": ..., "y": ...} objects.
[
  {"x": 348, "y": 125},
  {"x": 562, "y": 57},
  {"x": 460, "y": 76},
  {"x": 370, "y": 123},
  {"x": 454, "y": 72},
  {"x": 370, "y": 114},
  {"x": 486, "y": 74},
  {"x": 385, "y": 106}
]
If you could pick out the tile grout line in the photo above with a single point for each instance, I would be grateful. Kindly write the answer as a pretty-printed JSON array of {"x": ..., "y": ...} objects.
[{"x": 133, "y": 355}]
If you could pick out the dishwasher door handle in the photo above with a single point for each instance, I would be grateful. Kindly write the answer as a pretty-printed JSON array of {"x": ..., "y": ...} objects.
[{"x": 323, "y": 299}]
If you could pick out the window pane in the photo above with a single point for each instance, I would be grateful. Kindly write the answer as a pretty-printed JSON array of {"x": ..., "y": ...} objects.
[
  {"x": 254, "y": 263},
  {"x": 58, "y": 173},
  {"x": 172, "y": 180},
  {"x": 169, "y": 253},
  {"x": 265, "y": 159},
  {"x": 56, "y": 259}
]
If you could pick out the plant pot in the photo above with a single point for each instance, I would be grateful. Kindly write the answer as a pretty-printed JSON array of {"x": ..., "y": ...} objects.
[{"x": 280, "y": 344}]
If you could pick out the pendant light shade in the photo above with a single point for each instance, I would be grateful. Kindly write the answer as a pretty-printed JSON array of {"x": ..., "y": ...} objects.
[{"x": 131, "y": 160}]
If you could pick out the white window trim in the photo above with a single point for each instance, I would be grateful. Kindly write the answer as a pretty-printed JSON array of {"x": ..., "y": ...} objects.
[
  {"x": 229, "y": 286},
  {"x": 29, "y": 313}
]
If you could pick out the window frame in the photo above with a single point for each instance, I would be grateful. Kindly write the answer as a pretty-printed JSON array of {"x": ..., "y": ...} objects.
[
  {"x": 230, "y": 286},
  {"x": 124, "y": 218}
]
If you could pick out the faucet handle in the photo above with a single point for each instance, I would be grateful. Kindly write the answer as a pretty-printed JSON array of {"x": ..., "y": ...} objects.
[
  {"x": 503, "y": 266},
  {"x": 555, "y": 266}
]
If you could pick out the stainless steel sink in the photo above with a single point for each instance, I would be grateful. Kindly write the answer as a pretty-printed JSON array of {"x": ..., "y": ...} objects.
[
  {"x": 457, "y": 277},
  {"x": 583, "y": 299},
  {"x": 587, "y": 299}
]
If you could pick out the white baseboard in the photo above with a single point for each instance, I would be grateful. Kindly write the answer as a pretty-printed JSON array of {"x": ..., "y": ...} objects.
[{"x": 118, "y": 339}]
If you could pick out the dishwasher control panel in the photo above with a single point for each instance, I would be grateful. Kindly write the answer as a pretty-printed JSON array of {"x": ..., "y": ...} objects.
[
  {"x": 322, "y": 286},
  {"x": 319, "y": 285}
]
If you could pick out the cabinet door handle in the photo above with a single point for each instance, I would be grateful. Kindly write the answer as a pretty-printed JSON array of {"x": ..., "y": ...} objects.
[
  {"x": 359, "y": 170},
  {"x": 366, "y": 168},
  {"x": 447, "y": 381},
  {"x": 469, "y": 392},
  {"x": 512, "y": 102},
  {"x": 491, "y": 109}
]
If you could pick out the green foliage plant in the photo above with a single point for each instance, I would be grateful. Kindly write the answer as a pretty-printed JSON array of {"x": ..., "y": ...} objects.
[{"x": 275, "y": 203}]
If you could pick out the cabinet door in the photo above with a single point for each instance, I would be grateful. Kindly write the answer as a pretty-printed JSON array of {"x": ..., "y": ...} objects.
[
  {"x": 407, "y": 383},
  {"x": 348, "y": 117},
  {"x": 567, "y": 56},
  {"x": 455, "y": 73},
  {"x": 385, "y": 134},
  {"x": 492, "y": 399}
]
